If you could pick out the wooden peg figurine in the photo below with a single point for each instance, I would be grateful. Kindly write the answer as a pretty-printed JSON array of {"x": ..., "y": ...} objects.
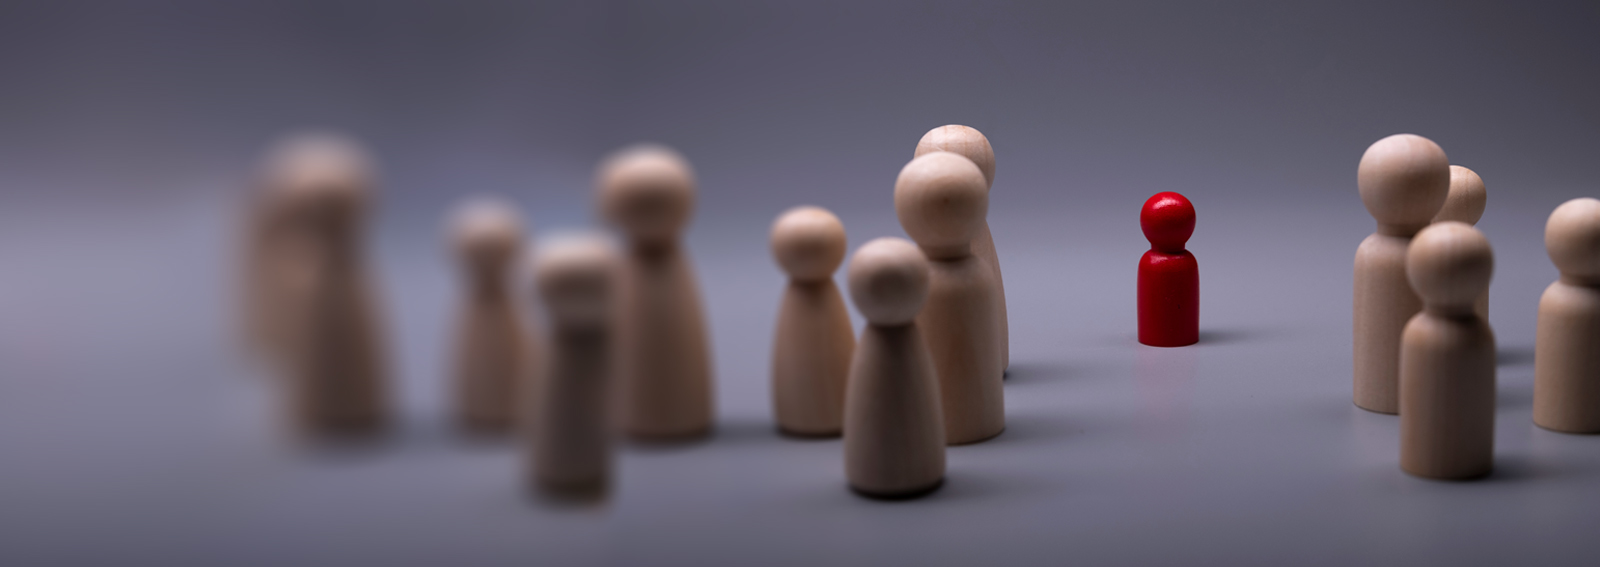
[
  {"x": 893, "y": 425},
  {"x": 1447, "y": 357},
  {"x": 566, "y": 428},
  {"x": 492, "y": 347},
  {"x": 814, "y": 341},
  {"x": 338, "y": 379},
  {"x": 972, "y": 144},
  {"x": 1403, "y": 179},
  {"x": 270, "y": 242},
  {"x": 1465, "y": 203},
  {"x": 664, "y": 359},
  {"x": 1566, "y": 360},
  {"x": 1169, "y": 276},
  {"x": 941, "y": 199}
]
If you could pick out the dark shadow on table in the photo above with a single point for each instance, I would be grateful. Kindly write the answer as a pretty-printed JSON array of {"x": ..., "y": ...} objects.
[
  {"x": 1031, "y": 372},
  {"x": 1513, "y": 356},
  {"x": 1518, "y": 468},
  {"x": 1027, "y": 429},
  {"x": 1229, "y": 336},
  {"x": 1513, "y": 396}
]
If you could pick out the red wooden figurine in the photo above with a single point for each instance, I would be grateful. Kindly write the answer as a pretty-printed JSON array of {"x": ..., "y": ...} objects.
[{"x": 1169, "y": 277}]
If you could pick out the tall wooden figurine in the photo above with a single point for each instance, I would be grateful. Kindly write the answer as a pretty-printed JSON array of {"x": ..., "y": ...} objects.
[
  {"x": 664, "y": 360},
  {"x": 972, "y": 144},
  {"x": 941, "y": 200},
  {"x": 1447, "y": 356},
  {"x": 1169, "y": 277},
  {"x": 492, "y": 347},
  {"x": 1403, "y": 179},
  {"x": 565, "y": 424},
  {"x": 338, "y": 380},
  {"x": 813, "y": 344},
  {"x": 893, "y": 425},
  {"x": 1566, "y": 359}
]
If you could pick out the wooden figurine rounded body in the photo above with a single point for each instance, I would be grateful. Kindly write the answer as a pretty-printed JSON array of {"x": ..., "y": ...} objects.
[
  {"x": 1566, "y": 361},
  {"x": 1169, "y": 276},
  {"x": 973, "y": 145},
  {"x": 941, "y": 200},
  {"x": 566, "y": 425},
  {"x": 813, "y": 344},
  {"x": 338, "y": 379},
  {"x": 1465, "y": 203},
  {"x": 664, "y": 360},
  {"x": 1403, "y": 180},
  {"x": 1447, "y": 357},
  {"x": 492, "y": 348},
  {"x": 894, "y": 439}
]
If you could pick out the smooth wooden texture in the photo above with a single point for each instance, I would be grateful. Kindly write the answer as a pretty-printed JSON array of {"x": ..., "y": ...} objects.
[
  {"x": 972, "y": 144},
  {"x": 1465, "y": 203},
  {"x": 1466, "y": 199},
  {"x": 814, "y": 342},
  {"x": 1447, "y": 357},
  {"x": 338, "y": 379},
  {"x": 565, "y": 421},
  {"x": 1169, "y": 275},
  {"x": 492, "y": 348},
  {"x": 1403, "y": 181},
  {"x": 1566, "y": 360},
  {"x": 941, "y": 199},
  {"x": 663, "y": 354},
  {"x": 271, "y": 255},
  {"x": 894, "y": 442}
]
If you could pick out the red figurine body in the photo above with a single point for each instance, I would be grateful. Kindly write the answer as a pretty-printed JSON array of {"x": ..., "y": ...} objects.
[{"x": 1169, "y": 277}]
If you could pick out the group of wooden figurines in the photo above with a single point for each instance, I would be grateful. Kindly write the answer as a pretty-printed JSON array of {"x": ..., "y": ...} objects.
[
  {"x": 1423, "y": 347},
  {"x": 625, "y": 347}
]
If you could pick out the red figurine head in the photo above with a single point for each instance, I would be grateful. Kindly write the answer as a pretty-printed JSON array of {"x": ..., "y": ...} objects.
[{"x": 1168, "y": 220}]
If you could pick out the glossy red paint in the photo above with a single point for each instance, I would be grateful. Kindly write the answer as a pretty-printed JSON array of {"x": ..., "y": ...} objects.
[{"x": 1169, "y": 276}]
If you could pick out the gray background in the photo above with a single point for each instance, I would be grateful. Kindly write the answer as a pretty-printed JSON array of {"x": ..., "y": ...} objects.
[{"x": 132, "y": 431}]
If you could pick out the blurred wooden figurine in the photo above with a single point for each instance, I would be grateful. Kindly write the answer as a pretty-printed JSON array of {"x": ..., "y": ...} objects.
[
  {"x": 813, "y": 344},
  {"x": 664, "y": 359},
  {"x": 1566, "y": 359},
  {"x": 492, "y": 346}
]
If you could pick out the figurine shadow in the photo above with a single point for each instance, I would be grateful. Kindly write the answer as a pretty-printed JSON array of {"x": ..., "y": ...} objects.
[
  {"x": 1513, "y": 356},
  {"x": 958, "y": 485},
  {"x": 1515, "y": 468},
  {"x": 1032, "y": 372},
  {"x": 1030, "y": 429},
  {"x": 1513, "y": 397},
  {"x": 753, "y": 430},
  {"x": 1231, "y": 336}
]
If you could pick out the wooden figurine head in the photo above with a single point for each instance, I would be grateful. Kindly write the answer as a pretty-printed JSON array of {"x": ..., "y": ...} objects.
[
  {"x": 889, "y": 281},
  {"x": 1449, "y": 265},
  {"x": 964, "y": 140},
  {"x": 324, "y": 182},
  {"x": 1467, "y": 197},
  {"x": 1404, "y": 180},
  {"x": 808, "y": 242},
  {"x": 942, "y": 201},
  {"x": 1572, "y": 238},
  {"x": 573, "y": 276},
  {"x": 648, "y": 192},
  {"x": 486, "y": 235}
]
